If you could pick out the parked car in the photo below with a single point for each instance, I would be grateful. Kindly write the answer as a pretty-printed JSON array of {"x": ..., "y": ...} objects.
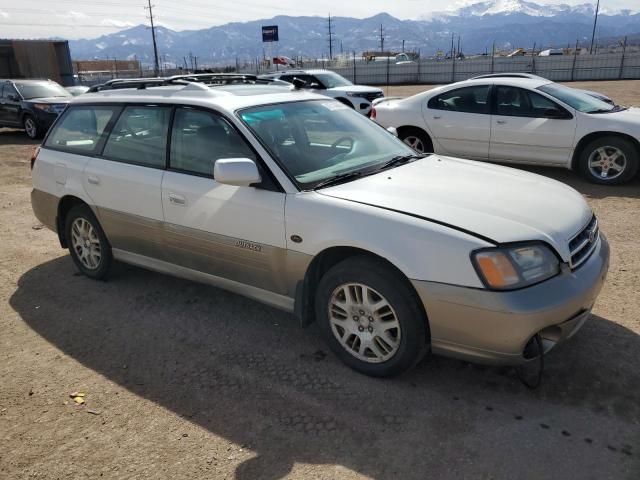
[
  {"x": 520, "y": 120},
  {"x": 77, "y": 90},
  {"x": 330, "y": 84},
  {"x": 295, "y": 200},
  {"x": 597, "y": 95},
  {"x": 31, "y": 104}
]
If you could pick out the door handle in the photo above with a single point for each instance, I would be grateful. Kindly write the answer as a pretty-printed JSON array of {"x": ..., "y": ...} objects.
[
  {"x": 501, "y": 122},
  {"x": 177, "y": 199},
  {"x": 437, "y": 117},
  {"x": 93, "y": 180}
]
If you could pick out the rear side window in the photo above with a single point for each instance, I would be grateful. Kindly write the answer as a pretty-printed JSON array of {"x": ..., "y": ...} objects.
[
  {"x": 81, "y": 128},
  {"x": 468, "y": 100},
  {"x": 200, "y": 138},
  {"x": 140, "y": 136}
]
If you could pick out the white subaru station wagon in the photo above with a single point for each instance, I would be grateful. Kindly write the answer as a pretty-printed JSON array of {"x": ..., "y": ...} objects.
[{"x": 297, "y": 201}]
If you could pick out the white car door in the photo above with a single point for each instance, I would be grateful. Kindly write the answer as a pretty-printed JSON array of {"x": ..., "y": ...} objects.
[
  {"x": 124, "y": 182},
  {"x": 528, "y": 127},
  {"x": 236, "y": 233},
  {"x": 459, "y": 122}
]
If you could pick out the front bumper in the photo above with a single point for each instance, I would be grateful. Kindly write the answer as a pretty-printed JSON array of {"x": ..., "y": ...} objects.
[
  {"x": 45, "y": 119},
  {"x": 494, "y": 327}
]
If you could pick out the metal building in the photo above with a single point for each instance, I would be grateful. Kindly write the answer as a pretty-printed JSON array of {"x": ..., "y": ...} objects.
[{"x": 36, "y": 59}]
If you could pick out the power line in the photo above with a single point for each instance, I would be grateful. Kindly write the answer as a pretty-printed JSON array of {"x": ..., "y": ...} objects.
[{"x": 156, "y": 68}]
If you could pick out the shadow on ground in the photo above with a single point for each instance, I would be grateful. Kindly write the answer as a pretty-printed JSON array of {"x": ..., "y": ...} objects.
[
  {"x": 249, "y": 373},
  {"x": 591, "y": 190},
  {"x": 16, "y": 137}
]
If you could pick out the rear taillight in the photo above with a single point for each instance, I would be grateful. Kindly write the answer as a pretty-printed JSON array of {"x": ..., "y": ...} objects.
[
  {"x": 34, "y": 155},
  {"x": 373, "y": 113}
]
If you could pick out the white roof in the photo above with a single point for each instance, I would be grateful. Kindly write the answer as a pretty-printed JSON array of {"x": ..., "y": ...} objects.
[
  {"x": 514, "y": 82},
  {"x": 226, "y": 97}
]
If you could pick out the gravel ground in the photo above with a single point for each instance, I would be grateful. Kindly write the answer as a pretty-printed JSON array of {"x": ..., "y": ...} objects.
[{"x": 188, "y": 381}]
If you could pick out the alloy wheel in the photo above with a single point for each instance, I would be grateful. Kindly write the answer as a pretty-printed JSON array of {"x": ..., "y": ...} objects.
[
  {"x": 416, "y": 143},
  {"x": 86, "y": 243},
  {"x": 607, "y": 162},
  {"x": 364, "y": 322},
  {"x": 30, "y": 127}
]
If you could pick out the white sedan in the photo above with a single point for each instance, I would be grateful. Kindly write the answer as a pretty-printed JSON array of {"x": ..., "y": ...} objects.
[{"x": 520, "y": 120}]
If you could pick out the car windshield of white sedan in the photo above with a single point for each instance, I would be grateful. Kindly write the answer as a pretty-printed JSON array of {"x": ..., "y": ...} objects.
[
  {"x": 581, "y": 101},
  {"x": 319, "y": 140},
  {"x": 332, "y": 80}
]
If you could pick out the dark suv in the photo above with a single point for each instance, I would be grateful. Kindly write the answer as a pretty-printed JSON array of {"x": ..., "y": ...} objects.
[{"x": 31, "y": 104}]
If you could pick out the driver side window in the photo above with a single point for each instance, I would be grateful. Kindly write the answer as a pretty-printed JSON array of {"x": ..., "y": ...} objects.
[
  {"x": 518, "y": 102},
  {"x": 199, "y": 138}
]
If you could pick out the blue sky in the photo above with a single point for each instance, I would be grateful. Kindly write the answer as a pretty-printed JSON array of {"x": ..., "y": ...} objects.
[{"x": 88, "y": 19}]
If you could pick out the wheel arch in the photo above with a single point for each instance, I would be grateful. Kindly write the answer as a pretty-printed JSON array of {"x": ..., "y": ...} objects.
[
  {"x": 408, "y": 128},
  {"x": 321, "y": 263},
  {"x": 346, "y": 102},
  {"x": 584, "y": 141},
  {"x": 65, "y": 205}
]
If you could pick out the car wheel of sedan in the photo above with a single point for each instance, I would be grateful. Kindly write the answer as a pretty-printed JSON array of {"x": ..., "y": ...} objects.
[
  {"x": 31, "y": 127},
  {"x": 417, "y": 139},
  {"x": 87, "y": 243},
  {"x": 371, "y": 317},
  {"x": 609, "y": 161}
]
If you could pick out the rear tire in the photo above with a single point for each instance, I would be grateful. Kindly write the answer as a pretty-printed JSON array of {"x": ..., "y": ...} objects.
[
  {"x": 371, "y": 317},
  {"x": 416, "y": 139},
  {"x": 609, "y": 161},
  {"x": 88, "y": 245}
]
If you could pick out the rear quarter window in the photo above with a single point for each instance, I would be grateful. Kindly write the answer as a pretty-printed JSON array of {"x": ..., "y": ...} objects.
[{"x": 81, "y": 128}]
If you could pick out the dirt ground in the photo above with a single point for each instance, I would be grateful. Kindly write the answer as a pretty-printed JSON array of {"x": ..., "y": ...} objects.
[{"x": 187, "y": 381}]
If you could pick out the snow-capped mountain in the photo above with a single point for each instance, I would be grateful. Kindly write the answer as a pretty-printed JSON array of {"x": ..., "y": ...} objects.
[{"x": 508, "y": 23}]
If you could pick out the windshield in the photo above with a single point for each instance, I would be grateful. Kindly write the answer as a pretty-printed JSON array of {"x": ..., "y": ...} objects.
[
  {"x": 581, "y": 101},
  {"x": 317, "y": 140},
  {"x": 332, "y": 80},
  {"x": 41, "y": 90}
]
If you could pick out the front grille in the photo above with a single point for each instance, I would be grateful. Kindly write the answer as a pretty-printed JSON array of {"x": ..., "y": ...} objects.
[
  {"x": 584, "y": 243},
  {"x": 372, "y": 96}
]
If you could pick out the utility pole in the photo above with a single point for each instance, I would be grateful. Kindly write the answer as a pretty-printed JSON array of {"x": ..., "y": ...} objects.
[
  {"x": 595, "y": 22},
  {"x": 156, "y": 66},
  {"x": 330, "y": 39},
  {"x": 381, "y": 39},
  {"x": 402, "y": 46}
]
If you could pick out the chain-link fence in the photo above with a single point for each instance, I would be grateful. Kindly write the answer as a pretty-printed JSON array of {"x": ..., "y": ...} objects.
[{"x": 606, "y": 66}]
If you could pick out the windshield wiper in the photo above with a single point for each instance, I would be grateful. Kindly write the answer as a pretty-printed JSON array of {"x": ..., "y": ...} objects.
[
  {"x": 400, "y": 160},
  {"x": 338, "y": 179}
]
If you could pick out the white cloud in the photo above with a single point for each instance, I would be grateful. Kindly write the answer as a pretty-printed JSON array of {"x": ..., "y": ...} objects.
[{"x": 110, "y": 22}]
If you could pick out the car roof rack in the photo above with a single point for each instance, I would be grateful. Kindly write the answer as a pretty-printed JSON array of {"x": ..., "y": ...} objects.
[{"x": 213, "y": 79}]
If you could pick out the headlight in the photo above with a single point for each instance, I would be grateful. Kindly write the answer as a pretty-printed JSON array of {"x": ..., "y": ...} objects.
[
  {"x": 45, "y": 107},
  {"x": 508, "y": 268}
]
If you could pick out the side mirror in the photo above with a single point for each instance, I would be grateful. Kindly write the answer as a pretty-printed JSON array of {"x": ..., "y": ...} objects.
[
  {"x": 240, "y": 172},
  {"x": 12, "y": 97},
  {"x": 393, "y": 131},
  {"x": 554, "y": 113}
]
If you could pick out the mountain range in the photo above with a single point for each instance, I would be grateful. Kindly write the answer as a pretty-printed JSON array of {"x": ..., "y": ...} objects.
[{"x": 508, "y": 23}]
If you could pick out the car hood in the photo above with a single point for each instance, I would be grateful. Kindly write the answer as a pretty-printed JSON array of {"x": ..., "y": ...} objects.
[
  {"x": 58, "y": 100},
  {"x": 357, "y": 88},
  {"x": 498, "y": 203}
]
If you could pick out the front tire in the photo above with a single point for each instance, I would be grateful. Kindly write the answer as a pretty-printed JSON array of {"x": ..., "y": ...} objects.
[
  {"x": 609, "y": 161},
  {"x": 371, "y": 317},
  {"x": 31, "y": 127},
  {"x": 416, "y": 139},
  {"x": 88, "y": 245}
]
